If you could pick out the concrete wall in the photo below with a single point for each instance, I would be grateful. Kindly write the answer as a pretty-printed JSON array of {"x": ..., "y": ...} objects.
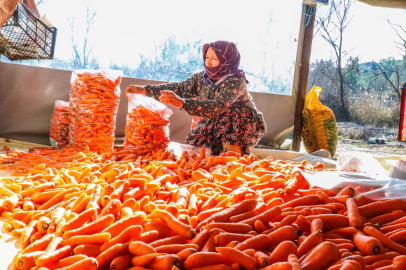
[{"x": 28, "y": 94}]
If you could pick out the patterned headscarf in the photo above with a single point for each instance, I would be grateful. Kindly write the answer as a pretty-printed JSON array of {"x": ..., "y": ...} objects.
[{"x": 229, "y": 59}]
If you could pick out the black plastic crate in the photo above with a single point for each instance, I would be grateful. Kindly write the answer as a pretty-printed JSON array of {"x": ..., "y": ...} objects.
[{"x": 24, "y": 37}]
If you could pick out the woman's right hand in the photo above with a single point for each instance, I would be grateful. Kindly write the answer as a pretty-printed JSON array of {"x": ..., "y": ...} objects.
[{"x": 135, "y": 89}]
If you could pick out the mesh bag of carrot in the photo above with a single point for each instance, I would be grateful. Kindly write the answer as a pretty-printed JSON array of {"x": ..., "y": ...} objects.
[
  {"x": 147, "y": 127},
  {"x": 58, "y": 133},
  {"x": 93, "y": 104}
]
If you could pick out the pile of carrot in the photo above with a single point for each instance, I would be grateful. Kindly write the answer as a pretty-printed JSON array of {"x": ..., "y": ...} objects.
[
  {"x": 194, "y": 212},
  {"x": 59, "y": 129},
  {"x": 147, "y": 129},
  {"x": 94, "y": 99}
]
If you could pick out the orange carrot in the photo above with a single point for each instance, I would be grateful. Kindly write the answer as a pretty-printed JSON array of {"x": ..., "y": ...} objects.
[
  {"x": 88, "y": 250},
  {"x": 117, "y": 227},
  {"x": 201, "y": 259},
  {"x": 143, "y": 260},
  {"x": 330, "y": 221},
  {"x": 111, "y": 253},
  {"x": 165, "y": 262},
  {"x": 310, "y": 242},
  {"x": 224, "y": 238},
  {"x": 139, "y": 248},
  {"x": 27, "y": 260},
  {"x": 88, "y": 264},
  {"x": 79, "y": 220},
  {"x": 282, "y": 251},
  {"x": 113, "y": 207},
  {"x": 381, "y": 207},
  {"x": 184, "y": 254},
  {"x": 50, "y": 257},
  {"x": 230, "y": 227},
  {"x": 321, "y": 257},
  {"x": 121, "y": 262},
  {"x": 237, "y": 256},
  {"x": 262, "y": 258},
  {"x": 173, "y": 249},
  {"x": 385, "y": 240},
  {"x": 366, "y": 244},
  {"x": 174, "y": 224},
  {"x": 354, "y": 217},
  {"x": 123, "y": 237},
  {"x": 283, "y": 234},
  {"x": 93, "y": 227},
  {"x": 94, "y": 239},
  {"x": 258, "y": 242}
]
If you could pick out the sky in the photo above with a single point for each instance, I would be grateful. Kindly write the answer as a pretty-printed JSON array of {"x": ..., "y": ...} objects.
[{"x": 128, "y": 28}]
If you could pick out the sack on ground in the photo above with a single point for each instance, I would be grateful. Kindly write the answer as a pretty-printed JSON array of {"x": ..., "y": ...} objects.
[{"x": 319, "y": 124}]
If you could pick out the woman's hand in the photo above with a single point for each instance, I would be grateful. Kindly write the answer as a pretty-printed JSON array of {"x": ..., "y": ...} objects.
[
  {"x": 135, "y": 89},
  {"x": 169, "y": 97}
]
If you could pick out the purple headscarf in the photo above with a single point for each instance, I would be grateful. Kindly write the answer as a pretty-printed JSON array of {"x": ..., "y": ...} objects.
[{"x": 229, "y": 58}]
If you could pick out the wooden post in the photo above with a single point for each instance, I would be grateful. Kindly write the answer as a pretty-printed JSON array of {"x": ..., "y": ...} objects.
[{"x": 303, "y": 77}]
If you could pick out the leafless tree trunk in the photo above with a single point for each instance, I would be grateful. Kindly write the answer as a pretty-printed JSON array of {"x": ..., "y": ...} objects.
[
  {"x": 331, "y": 27},
  {"x": 82, "y": 56}
]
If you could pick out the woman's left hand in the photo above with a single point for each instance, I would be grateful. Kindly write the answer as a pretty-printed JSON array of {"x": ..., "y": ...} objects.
[{"x": 169, "y": 97}]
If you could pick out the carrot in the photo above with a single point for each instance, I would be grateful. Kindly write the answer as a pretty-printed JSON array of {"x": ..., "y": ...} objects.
[
  {"x": 27, "y": 260},
  {"x": 50, "y": 257},
  {"x": 265, "y": 217},
  {"x": 26, "y": 234},
  {"x": 88, "y": 250},
  {"x": 94, "y": 239},
  {"x": 321, "y": 257},
  {"x": 305, "y": 200},
  {"x": 122, "y": 262},
  {"x": 39, "y": 245},
  {"x": 88, "y": 264},
  {"x": 342, "y": 231},
  {"x": 258, "y": 242},
  {"x": 350, "y": 265},
  {"x": 399, "y": 262},
  {"x": 66, "y": 262},
  {"x": 381, "y": 207},
  {"x": 117, "y": 227},
  {"x": 230, "y": 227},
  {"x": 111, "y": 253},
  {"x": 123, "y": 237},
  {"x": 237, "y": 256},
  {"x": 226, "y": 214},
  {"x": 173, "y": 249},
  {"x": 279, "y": 266},
  {"x": 262, "y": 258},
  {"x": 169, "y": 241},
  {"x": 139, "y": 248},
  {"x": 57, "y": 198},
  {"x": 143, "y": 260},
  {"x": 282, "y": 251},
  {"x": 386, "y": 242},
  {"x": 330, "y": 221},
  {"x": 184, "y": 254},
  {"x": 354, "y": 217},
  {"x": 389, "y": 217},
  {"x": 366, "y": 244},
  {"x": 214, "y": 267},
  {"x": 316, "y": 225},
  {"x": 201, "y": 259},
  {"x": 310, "y": 242},
  {"x": 207, "y": 213},
  {"x": 10, "y": 203},
  {"x": 209, "y": 246},
  {"x": 293, "y": 260},
  {"x": 79, "y": 220},
  {"x": 113, "y": 207},
  {"x": 282, "y": 234},
  {"x": 165, "y": 262},
  {"x": 384, "y": 256},
  {"x": 397, "y": 237},
  {"x": 303, "y": 223},
  {"x": 174, "y": 224},
  {"x": 224, "y": 238},
  {"x": 93, "y": 227},
  {"x": 243, "y": 216}
]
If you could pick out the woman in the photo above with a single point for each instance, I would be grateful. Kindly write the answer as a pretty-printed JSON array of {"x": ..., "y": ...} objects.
[{"x": 228, "y": 119}]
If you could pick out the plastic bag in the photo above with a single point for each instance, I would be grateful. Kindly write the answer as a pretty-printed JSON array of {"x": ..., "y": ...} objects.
[
  {"x": 93, "y": 104},
  {"x": 319, "y": 124},
  {"x": 336, "y": 181},
  {"x": 179, "y": 148},
  {"x": 58, "y": 133},
  {"x": 394, "y": 189},
  {"x": 359, "y": 162},
  {"x": 147, "y": 127}
]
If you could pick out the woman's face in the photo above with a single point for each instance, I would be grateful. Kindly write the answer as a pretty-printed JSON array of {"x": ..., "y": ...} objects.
[{"x": 211, "y": 58}]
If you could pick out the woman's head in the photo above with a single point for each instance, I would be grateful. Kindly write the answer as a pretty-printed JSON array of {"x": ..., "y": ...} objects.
[{"x": 221, "y": 58}]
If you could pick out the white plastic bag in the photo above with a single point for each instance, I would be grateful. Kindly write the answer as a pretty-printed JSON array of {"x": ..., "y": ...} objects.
[{"x": 359, "y": 163}]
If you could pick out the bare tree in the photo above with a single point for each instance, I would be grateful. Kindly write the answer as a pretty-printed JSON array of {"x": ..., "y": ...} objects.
[
  {"x": 331, "y": 28},
  {"x": 401, "y": 32},
  {"x": 82, "y": 56}
]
